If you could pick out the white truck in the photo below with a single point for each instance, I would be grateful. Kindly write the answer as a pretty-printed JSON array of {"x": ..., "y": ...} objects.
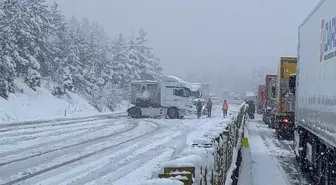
[
  {"x": 199, "y": 91},
  {"x": 168, "y": 97},
  {"x": 195, "y": 90},
  {"x": 315, "y": 90},
  {"x": 205, "y": 91}
]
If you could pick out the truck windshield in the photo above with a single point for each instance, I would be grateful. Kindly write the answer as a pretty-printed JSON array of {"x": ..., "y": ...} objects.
[
  {"x": 182, "y": 92},
  {"x": 196, "y": 94},
  {"x": 179, "y": 92}
]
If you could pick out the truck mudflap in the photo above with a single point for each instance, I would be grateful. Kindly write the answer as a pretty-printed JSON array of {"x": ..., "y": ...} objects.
[{"x": 296, "y": 143}]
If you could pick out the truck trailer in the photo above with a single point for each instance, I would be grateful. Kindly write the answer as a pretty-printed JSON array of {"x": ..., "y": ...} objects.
[
  {"x": 270, "y": 93},
  {"x": 284, "y": 122},
  {"x": 315, "y": 112},
  {"x": 168, "y": 98},
  {"x": 261, "y": 99}
]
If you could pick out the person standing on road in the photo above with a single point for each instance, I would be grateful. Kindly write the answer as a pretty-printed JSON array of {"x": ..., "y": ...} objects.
[
  {"x": 209, "y": 107},
  {"x": 199, "y": 108},
  {"x": 225, "y": 108}
]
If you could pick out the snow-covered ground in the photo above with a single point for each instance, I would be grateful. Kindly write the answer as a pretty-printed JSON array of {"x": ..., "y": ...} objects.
[
  {"x": 28, "y": 104},
  {"x": 107, "y": 151},
  {"x": 268, "y": 160}
]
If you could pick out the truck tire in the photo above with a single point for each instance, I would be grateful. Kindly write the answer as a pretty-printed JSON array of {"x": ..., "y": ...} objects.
[
  {"x": 135, "y": 112},
  {"x": 278, "y": 134},
  {"x": 173, "y": 113}
]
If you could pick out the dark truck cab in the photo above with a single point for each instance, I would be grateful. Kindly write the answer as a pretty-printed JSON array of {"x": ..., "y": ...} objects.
[{"x": 285, "y": 127}]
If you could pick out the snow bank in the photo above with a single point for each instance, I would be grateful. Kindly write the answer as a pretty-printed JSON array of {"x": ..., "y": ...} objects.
[
  {"x": 233, "y": 166},
  {"x": 199, "y": 153},
  {"x": 228, "y": 180},
  {"x": 29, "y": 105},
  {"x": 162, "y": 182},
  {"x": 200, "y": 146}
]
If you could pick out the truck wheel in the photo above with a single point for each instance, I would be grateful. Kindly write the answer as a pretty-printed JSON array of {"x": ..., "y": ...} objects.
[
  {"x": 173, "y": 113},
  {"x": 279, "y": 136},
  {"x": 135, "y": 112}
]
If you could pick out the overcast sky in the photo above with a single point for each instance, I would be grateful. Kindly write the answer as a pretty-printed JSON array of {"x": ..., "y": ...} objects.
[{"x": 220, "y": 41}]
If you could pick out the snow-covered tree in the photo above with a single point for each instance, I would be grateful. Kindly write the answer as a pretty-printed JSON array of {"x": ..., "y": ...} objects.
[
  {"x": 121, "y": 67},
  {"x": 37, "y": 42},
  {"x": 7, "y": 49},
  {"x": 146, "y": 65}
]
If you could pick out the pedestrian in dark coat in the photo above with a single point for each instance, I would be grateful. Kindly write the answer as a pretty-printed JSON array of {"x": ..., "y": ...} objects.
[
  {"x": 199, "y": 107},
  {"x": 209, "y": 107}
]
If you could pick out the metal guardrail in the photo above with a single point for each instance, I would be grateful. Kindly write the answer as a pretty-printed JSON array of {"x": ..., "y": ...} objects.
[{"x": 222, "y": 156}]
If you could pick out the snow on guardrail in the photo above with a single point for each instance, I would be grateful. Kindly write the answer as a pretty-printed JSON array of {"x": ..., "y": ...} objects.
[{"x": 210, "y": 158}]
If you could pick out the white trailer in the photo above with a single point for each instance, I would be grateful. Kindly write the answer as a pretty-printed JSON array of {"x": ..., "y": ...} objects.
[
  {"x": 165, "y": 98},
  {"x": 205, "y": 91},
  {"x": 315, "y": 106}
]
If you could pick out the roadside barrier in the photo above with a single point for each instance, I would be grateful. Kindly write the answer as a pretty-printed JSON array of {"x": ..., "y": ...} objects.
[{"x": 210, "y": 161}]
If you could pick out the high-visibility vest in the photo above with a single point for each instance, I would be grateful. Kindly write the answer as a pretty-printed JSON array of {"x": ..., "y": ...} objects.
[{"x": 225, "y": 106}]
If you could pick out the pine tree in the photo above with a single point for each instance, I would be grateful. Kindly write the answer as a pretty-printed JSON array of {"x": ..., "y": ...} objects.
[
  {"x": 121, "y": 67},
  {"x": 8, "y": 49},
  {"x": 37, "y": 42},
  {"x": 30, "y": 28},
  {"x": 64, "y": 60}
]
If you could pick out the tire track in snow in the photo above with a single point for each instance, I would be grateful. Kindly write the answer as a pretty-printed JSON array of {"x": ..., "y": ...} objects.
[
  {"x": 17, "y": 137},
  {"x": 70, "y": 121},
  {"x": 50, "y": 138},
  {"x": 86, "y": 172},
  {"x": 36, "y": 130},
  {"x": 145, "y": 171},
  {"x": 39, "y": 153},
  {"x": 131, "y": 162},
  {"x": 285, "y": 156},
  {"x": 29, "y": 176},
  {"x": 23, "y": 127},
  {"x": 40, "y": 123},
  {"x": 52, "y": 142}
]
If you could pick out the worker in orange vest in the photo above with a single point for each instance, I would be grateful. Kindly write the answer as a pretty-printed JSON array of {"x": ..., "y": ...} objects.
[{"x": 225, "y": 108}]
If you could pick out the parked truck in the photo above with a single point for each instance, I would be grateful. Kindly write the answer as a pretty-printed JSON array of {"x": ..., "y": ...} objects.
[
  {"x": 261, "y": 99},
  {"x": 168, "y": 97},
  {"x": 199, "y": 91},
  {"x": 270, "y": 94},
  {"x": 284, "y": 122},
  {"x": 205, "y": 91},
  {"x": 315, "y": 102}
]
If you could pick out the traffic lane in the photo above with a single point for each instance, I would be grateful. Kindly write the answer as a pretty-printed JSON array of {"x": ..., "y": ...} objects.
[{"x": 283, "y": 152}]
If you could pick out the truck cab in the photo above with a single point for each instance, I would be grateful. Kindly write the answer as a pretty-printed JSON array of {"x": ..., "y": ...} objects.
[
  {"x": 285, "y": 98},
  {"x": 168, "y": 97}
]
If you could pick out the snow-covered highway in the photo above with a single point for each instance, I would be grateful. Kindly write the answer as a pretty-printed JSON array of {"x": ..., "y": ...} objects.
[{"x": 93, "y": 151}]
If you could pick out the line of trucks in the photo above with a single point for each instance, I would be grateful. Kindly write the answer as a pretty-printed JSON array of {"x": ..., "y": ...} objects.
[
  {"x": 170, "y": 97},
  {"x": 299, "y": 102}
]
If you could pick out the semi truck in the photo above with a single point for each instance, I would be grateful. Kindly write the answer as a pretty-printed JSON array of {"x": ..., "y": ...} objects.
[
  {"x": 284, "y": 122},
  {"x": 270, "y": 97},
  {"x": 315, "y": 102},
  {"x": 205, "y": 91},
  {"x": 168, "y": 98},
  {"x": 199, "y": 91},
  {"x": 261, "y": 99}
]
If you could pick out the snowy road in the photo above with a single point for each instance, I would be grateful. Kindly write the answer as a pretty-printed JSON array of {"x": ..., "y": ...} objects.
[
  {"x": 268, "y": 160},
  {"x": 91, "y": 151}
]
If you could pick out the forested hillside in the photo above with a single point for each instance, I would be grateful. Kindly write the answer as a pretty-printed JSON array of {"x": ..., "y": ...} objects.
[{"x": 39, "y": 44}]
